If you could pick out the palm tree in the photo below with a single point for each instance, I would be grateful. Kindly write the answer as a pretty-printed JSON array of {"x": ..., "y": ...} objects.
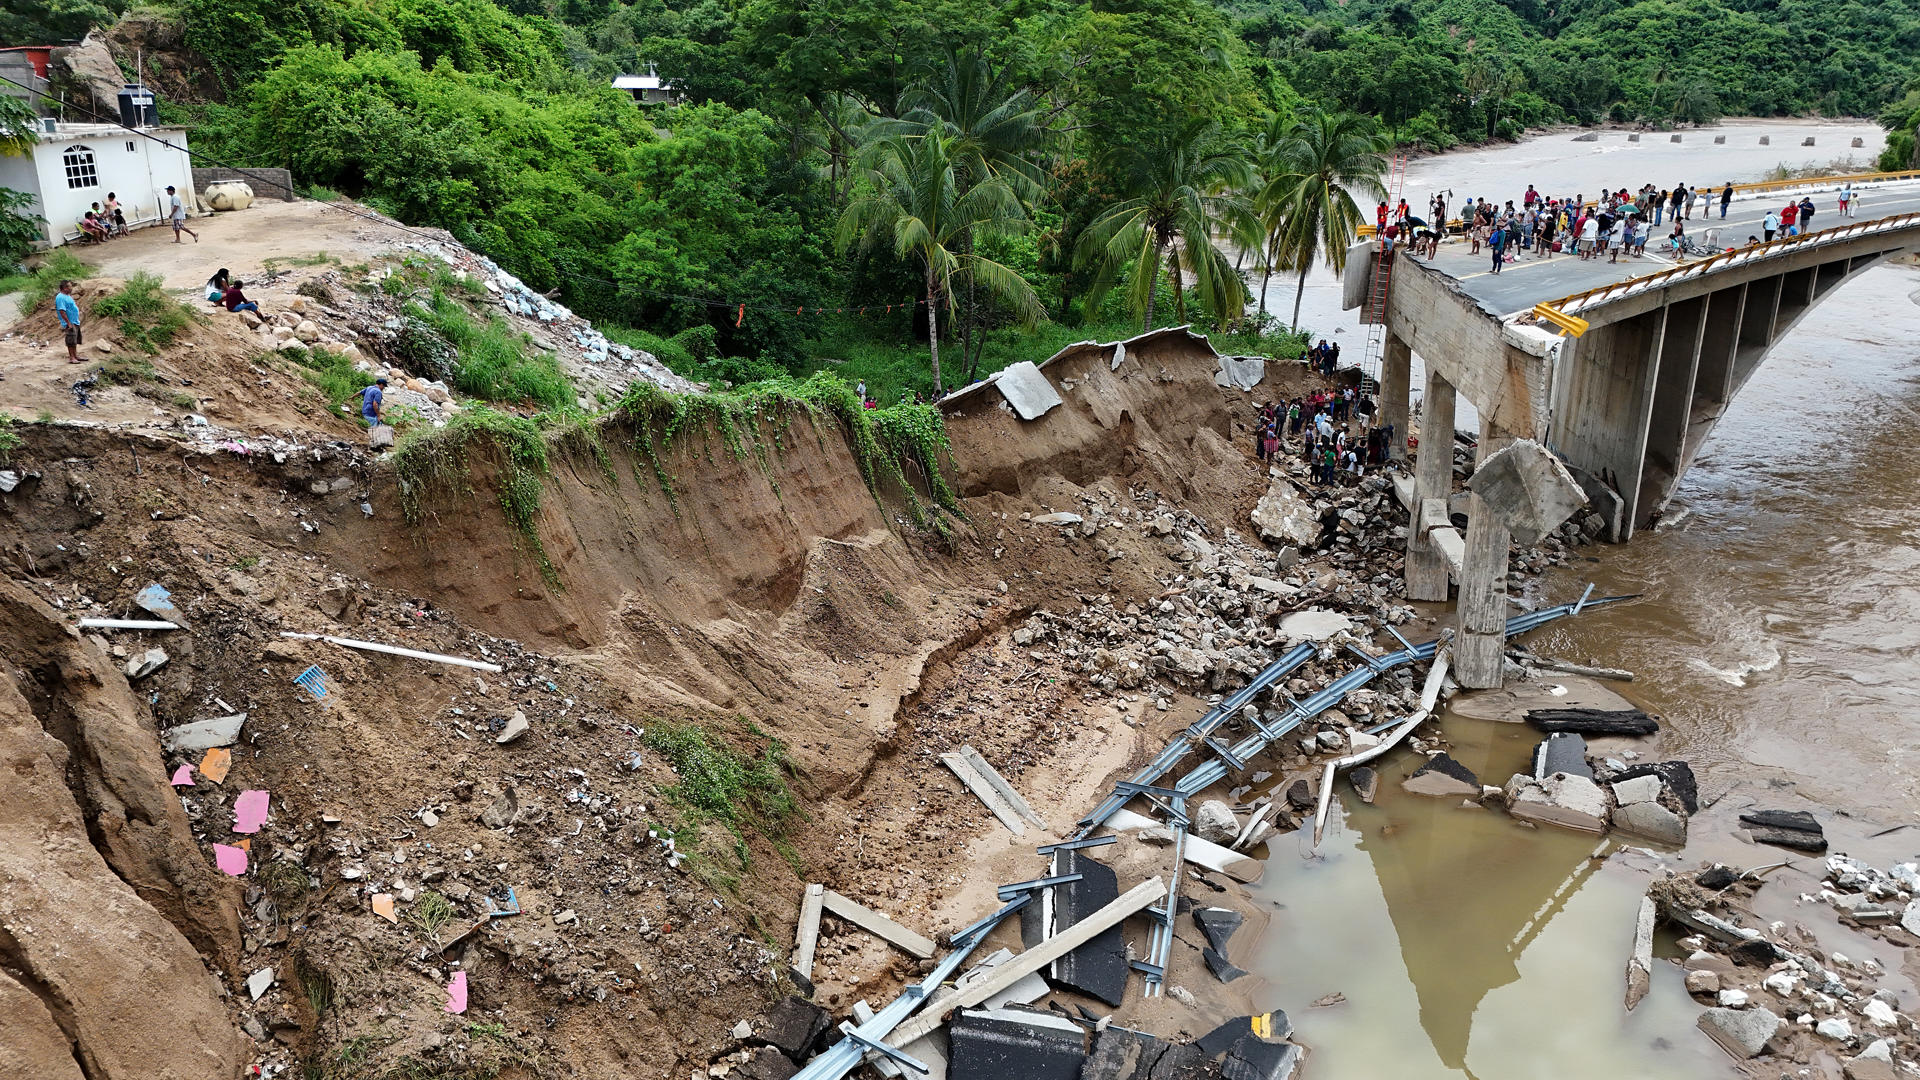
[
  {"x": 1323, "y": 161},
  {"x": 1179, "y": 187},
  {"x": 997, "y": 131},
  {"x": 912, "y": 196}
]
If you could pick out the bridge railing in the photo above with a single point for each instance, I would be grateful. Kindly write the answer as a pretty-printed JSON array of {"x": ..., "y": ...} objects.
[{"x": 1562, "y": 313}]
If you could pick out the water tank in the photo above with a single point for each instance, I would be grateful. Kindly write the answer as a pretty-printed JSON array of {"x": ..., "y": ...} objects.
[{"x": 138, "y": 108}]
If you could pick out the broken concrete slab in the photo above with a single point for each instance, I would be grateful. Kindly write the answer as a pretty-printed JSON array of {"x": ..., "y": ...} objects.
[
  {"x": 806, "y": 933},
  {"x": 1282, "y": 516},
  {"x": 793, "y": 1026},
  {"x": 1640, "y": 959},
  {"x": 203, "y": 734},
  {"x": 1797, "y": 820},
  {"x": 1058, "y": 518},
  {"x": 1313, "y": 624},
  {"x": 1527, "y": 489},
  {"x": 1366, "y": 783},
  {"x": 1098, "y": 968},
  {"x": 984, "y": 790},
  {"x": 1678, "y": 776},
  {"x": 1218, "y": 924},
  {"x": 1443, "y": 777},
  {"x": 1651, "y": 821},
  {"x": 1022, "y": 992},
  {"x": 1027, "y": 390},
  {"x": 1571, "y": 802},
  {"x": 500, "y": 813},
  {"x": 1593, "y": 721},
  {"x": 1273, "y": 1025},
  {"x": 1740, "y": 1032},
  {"x": 1222, "y": 968},
  {"x": 146, "y": 663},
  {"x": 879, "y": 925},
  {"x": 1251, "y": 1059},
  {"x": 1014, "y": 1044},
  {"x": 766, "y": 1064},
  {"x": 1787, "y": 838},
  {"x": 1562, "y": 752},
  {"x": 1123, "y": 1054},
  {"x": 1637, "y": 789},
  {"x": 1241, "y": 372}
]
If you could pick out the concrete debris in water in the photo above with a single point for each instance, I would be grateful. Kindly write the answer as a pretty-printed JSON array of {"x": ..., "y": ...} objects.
[
  {"x": 1572, "y": 802},
  {"x": 1444, "y": 778},
  {"x": 1794, "y": 829},
  {"x": 1651, "y": 821},
  {"x": 1741, "y": 1032},
  {"x": 1593, "y": 721}
]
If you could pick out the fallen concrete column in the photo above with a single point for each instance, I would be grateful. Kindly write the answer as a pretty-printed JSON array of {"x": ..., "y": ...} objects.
[
  {"x": 1396, "y": 384},
  {"x": 1426, "y": 571},
  {"x": 1528, "y": 489}
]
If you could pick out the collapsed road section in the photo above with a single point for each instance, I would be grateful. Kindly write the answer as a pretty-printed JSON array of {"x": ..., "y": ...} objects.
[{"x": 1081, "y": 911}]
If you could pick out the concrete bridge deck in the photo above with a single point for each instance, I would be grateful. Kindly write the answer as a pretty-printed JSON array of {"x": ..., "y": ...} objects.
[{"x": 1532, "y": 279}]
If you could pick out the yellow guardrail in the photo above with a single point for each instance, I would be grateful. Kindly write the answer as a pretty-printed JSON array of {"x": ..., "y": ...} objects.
[{"x": 1554, "y": 313}]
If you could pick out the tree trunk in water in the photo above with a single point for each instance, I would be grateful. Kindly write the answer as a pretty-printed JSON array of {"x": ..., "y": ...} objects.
[
  {"x": 1298, "y": 291},
  {"x": 933, "y": 330}
]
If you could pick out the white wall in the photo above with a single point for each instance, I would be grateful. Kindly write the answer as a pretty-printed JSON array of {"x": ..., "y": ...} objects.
[{"x": 138, "y": 176}]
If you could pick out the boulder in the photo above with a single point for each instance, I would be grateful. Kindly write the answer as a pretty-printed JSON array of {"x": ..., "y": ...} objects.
[
  {"x": 1366, "y": 783},
  {"x": 1571, "y": 802},
  {"x": 1651, "y": 821},
  {"x": 1313, "y": 624},
  {"x": 1283, "y": 517},
  {"x": 1741, "y": 1032},
  {"x": 1215, "y": 821},
  {"x": 1443, "y": 778},
  {"x": 1703, "y": 982},
  {"x": 308, "y": 331},
  {"x": 501, "y": 812},
  {"x": 293, "y": 345},
  {"x": 1300, "y": 795},
  {"x": 251, "y": 320}
]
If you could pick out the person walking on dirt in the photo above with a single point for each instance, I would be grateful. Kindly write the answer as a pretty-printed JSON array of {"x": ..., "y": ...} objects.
[
  {"x": 67, "y": 310},
  {"x": 177, "y": 214}
]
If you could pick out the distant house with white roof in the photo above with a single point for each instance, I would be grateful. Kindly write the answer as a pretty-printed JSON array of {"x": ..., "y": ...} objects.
[{"x": 648, "y": 89}]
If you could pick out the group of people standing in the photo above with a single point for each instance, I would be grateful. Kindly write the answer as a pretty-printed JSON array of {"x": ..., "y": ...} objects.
[{"x": 1323, "y": 422}]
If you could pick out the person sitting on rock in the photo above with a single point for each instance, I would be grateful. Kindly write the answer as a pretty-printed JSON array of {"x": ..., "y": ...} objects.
[
  {"x": 217, "y": 285},
  {"x": 235, "y": 300}
]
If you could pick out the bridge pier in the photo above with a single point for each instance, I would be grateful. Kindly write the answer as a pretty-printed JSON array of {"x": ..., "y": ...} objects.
[
  {"x": 1396, "y": 387},
  {"x": 1480, "y": 650},
  {"x": 1426, "y": 570}
]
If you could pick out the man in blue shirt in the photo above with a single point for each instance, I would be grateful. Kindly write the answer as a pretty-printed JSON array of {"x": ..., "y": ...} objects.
[
  {"x": 373, "y": 402},
  {"x": 68, "y": 312}
]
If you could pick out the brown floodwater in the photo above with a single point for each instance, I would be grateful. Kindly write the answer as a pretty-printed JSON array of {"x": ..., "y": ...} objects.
[{"x": 1778, "y": 638}]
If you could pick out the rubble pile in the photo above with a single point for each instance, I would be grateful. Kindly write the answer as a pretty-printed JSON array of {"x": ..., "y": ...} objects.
[{"x": 1772, "y": 990}]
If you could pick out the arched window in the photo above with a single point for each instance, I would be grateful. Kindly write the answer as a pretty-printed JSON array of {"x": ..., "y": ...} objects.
[{"x": 78, "y": 161}]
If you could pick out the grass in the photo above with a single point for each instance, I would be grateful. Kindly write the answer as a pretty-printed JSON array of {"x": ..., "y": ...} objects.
[
  {"x": 318, "y": 258},
  {"x": 149, "y": 319},
  {"x": 39, "y": 285},
  {"x": 427, "y": 459},
  {"x": 430, "y": 914},
  {"x": 333, "y": 374},
  {"x": 746, "y": 791},
  {"x": 492, "y": 360}
]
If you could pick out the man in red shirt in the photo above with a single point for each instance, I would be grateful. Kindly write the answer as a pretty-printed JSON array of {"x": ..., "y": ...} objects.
[{"x": 1788, "y": 216}]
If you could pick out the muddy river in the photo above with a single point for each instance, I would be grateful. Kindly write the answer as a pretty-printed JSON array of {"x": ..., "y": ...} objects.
[{"x": 1779, "y": 640}]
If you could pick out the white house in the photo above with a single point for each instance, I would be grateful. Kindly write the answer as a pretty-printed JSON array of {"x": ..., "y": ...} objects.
[
  {"x": 76, "y": 165},
  {"x": 648, "y": 89}
]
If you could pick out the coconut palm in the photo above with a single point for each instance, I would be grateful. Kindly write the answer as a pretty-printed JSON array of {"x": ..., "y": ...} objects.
[
  {"x": 1179, "y": 188},
  {"x": 1318, "y": 167},
  {"x": 909, "y": 194}
]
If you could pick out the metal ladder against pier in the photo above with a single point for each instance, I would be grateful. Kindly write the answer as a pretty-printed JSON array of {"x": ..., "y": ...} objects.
[{"x": 1382, "y": 281}]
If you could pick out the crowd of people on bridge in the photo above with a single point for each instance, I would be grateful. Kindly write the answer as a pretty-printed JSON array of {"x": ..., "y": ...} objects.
[{"x": 1613, "y": 224}]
